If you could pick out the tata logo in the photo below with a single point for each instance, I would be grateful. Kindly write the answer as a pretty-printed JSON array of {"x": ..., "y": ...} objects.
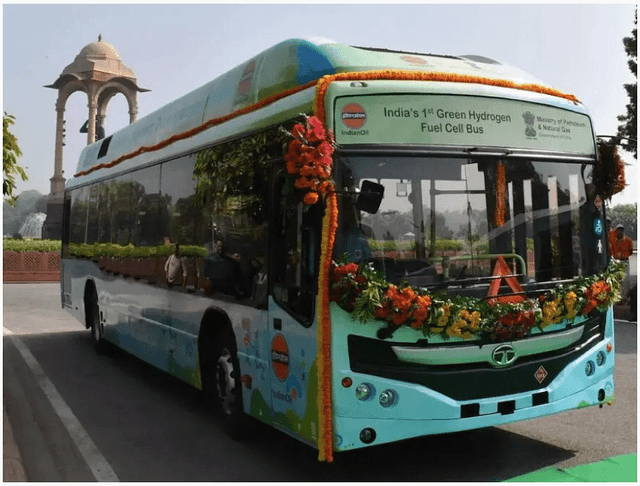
[{"x": 503, "y": 356}]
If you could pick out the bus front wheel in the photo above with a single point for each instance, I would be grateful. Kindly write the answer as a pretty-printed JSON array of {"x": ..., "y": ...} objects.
[
  {"x": 97, "y": 328},
  {"x": 228, "y": 385}
]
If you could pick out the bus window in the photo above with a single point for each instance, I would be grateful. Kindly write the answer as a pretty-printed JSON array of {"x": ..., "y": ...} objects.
[
  {"x": 148, "y": 199},
  {"x": 296, "y": 240}
]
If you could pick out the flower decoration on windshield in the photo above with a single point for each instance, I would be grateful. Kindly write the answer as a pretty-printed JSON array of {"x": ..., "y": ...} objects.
[
  {"x": 364, "y": 293},
  {"x": 310, "y": 158}
]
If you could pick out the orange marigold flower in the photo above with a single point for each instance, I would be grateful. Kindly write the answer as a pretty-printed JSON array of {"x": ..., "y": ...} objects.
[
  {"x": 361, "y": 279},
  {"x": 310, "y": 198},
  {"x": 325, "y": 149},
  {"x": 392, "y": 292},
  {"x": 316, "y": 132},
  {"x": 400, "y": 318},
  {"x": 294, "y": 151},
  {"x": 403, "y": 302},
  {"x": 383, "y": 311},
  {"x": 416, "y": 324},
  {"x": 298, "y": 131},
  {"x": 325, "y": 187},
  {"x": 601, "y": 290}
]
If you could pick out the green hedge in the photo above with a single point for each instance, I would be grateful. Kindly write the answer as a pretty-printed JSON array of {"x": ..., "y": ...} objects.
[
  {"x": 9, "y": 244},
  {"x": 402, "y": 245},
  {"x": 98, "y": 250}
]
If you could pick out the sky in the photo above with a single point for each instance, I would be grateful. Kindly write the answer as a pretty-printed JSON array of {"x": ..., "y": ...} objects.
[{"x": 174, "y": 49}]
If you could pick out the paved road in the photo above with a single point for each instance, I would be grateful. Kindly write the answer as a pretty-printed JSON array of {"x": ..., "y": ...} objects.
[{"x": 147, "y": 426}]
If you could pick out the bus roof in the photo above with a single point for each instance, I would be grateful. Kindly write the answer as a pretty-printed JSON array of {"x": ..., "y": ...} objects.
[{"x": 283, "y": 67}]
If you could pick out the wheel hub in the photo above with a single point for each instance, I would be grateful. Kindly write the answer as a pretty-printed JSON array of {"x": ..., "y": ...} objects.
[{"x": 226, "y": 383}]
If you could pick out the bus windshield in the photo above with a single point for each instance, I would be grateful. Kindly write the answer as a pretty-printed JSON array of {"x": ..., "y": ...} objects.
[{"x": 443, "y": 221}]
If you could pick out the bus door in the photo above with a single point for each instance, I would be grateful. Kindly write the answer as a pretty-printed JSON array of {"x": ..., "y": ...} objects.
[{"x": 295, "y": 249}]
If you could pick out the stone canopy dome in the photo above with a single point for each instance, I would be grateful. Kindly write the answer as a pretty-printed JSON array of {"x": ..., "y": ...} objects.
[
  {"x": 99, "y": 50},
  {"x": 97, "y": 60}
]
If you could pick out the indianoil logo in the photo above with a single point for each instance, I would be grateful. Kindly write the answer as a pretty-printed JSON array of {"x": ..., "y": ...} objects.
[
  {"x": 353, "y": 116},
  {"x": 280, "y": 357}
]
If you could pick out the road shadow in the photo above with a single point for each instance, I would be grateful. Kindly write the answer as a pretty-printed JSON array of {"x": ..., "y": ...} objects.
[{"x": 153, "y": 427}]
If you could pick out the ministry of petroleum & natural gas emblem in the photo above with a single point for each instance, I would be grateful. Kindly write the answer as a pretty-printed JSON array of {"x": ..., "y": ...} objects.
[{"x": 529, "y": 120}]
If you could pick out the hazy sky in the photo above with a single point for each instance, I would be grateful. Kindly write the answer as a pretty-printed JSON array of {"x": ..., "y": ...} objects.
[{"x": 174, "y": 49}]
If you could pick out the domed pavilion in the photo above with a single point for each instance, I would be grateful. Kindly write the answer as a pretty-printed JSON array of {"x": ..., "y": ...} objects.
[{"x": 98, "y": 71}]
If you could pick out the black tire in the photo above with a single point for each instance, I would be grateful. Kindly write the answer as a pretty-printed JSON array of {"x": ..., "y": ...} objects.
[
  {"x": 228, "y": 387},
  {"x": 97, "y": 329}
]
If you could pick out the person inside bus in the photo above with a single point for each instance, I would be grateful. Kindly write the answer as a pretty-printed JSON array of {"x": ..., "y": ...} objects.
[
  {"x": 223, "y": 270},
  {"x": 176, "y": 269}
]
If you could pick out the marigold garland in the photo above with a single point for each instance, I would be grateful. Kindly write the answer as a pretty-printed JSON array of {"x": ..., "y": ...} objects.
[
  {"x": 501, "y": 193},
  {"x": 325, "y": 413},
  {"x": 609, "y": 174},
  {"x": 309, "y": 158},
  {"x": 405, "y": 75},
  {"x": 364, "y": 293},
  {"x": 200, "y": 128}
]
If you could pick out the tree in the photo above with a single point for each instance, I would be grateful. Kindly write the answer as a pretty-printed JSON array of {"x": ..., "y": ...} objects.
[
  {"x": 10, "y": 153},
  {"x": 629, "y": 126}
]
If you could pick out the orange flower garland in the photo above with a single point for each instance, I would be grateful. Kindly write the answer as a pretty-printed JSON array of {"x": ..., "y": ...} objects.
[
  {"x": 309, "y": 158},
  {"x": 403, "y": 307},
  {"x": 467, "y": 317},
  {"x": 609, "y": 175},
  {"x": 200, "y": 128},
  {"x": 325, "y": 412},
  {"x": 501, "y": 193},
  {"x": 597, "y": 296},
  {"x": 405, "y": 75}
]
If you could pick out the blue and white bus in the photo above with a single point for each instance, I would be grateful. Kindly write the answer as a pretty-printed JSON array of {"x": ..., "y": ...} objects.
[{"x": 353, "y": 245}]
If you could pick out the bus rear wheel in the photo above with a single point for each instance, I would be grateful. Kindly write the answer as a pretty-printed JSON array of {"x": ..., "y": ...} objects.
[{"x": 228, "y": 385}]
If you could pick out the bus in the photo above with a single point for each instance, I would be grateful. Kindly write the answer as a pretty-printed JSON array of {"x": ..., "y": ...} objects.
[{"x": 354, "y": 245}]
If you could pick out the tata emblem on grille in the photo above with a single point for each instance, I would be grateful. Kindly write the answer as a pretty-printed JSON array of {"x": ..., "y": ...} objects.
[
  {"x": 503, "y": 356},
  {"x": 541, "y": 374}
]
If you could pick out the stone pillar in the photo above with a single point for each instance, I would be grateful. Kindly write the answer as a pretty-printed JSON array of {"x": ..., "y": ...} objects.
[
  {"x": 57, "y": 181},
  {"x": 93, "y": 110},
  {"x": 52, "y": 227},
  {"x": 133, "y": 111}
]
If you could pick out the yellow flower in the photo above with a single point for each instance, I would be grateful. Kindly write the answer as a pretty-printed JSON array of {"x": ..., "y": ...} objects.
[
  {"x": 444, "y": 317},
  {"x": 550, "y": 313},
  {"x": 457, "y": 329},
  {"x": 569, "y": 302}
]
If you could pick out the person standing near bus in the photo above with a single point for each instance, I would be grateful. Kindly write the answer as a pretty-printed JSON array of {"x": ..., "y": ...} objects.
[
  {"x": 176, "y": 269},
  {"x": 620, "y": 245}
]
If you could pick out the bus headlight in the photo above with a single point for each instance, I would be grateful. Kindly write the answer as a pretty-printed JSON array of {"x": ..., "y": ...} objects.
[
  {"x": 387, "y": 398},
  {"x": 590, "y": 368},
  {"x": 601, "y": 358},
  {"x": 364, "y": 391}
]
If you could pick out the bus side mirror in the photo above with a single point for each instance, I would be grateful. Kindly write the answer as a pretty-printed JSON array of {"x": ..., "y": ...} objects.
[{"x": 370, "y": 197}]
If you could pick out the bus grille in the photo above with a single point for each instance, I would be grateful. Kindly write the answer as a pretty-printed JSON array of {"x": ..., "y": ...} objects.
[{"x": 472, "y": 380}]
